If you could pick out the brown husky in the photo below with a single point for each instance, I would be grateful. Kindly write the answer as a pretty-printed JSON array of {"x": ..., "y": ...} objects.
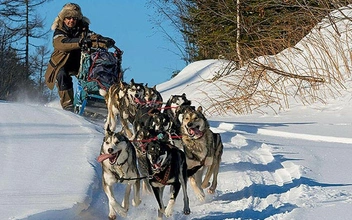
[
  {"x": 202, "y": 147},
  {"x": 122, "y": 100}
]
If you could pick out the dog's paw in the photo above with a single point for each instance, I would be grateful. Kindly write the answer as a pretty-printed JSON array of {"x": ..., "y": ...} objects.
[
  {"x": 187, "y": 211},
  {"x": 168, "y": 213},
  {"x": 201, "y": 196},
  {"x": 205, "y": 185},
  {"x": 134, "y": 203},
  {"x": 112, "y": 217},
  {"x": 122, "y": 213},
  {"x": 169, "y": 208},
  {"x": 160, "y": 214},
  {"x": 211, "y": 190}
]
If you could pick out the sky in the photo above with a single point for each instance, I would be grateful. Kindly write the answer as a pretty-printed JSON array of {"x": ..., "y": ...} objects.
[
  {"x": 148, "y": 55},
  {"x": 292, "y": 164}
]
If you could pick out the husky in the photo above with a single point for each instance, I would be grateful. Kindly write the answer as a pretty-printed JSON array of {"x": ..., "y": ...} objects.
[
  {"x": 202, "y": 148},
  {"x": 119, "y": 165},
  {"x": 152, "y": 96},
  {"x": 167, "y": 166},
  {"x": 151, "y": 118},
  {"x": 172, "y": 104},
  {"x": 173, "y": 111},
  {"x": 122, "y": 100},
  {"x": 142, "y": 136}
]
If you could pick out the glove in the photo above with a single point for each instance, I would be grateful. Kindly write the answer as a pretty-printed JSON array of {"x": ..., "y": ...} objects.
[
  {"x": 98, "y": 44},
  {"x": 97, "y": 41},
  {"x": 102, "y": 40},
  {"x": 109, "y": 42},
  {"x": 95, "y": 37},
  {"x": 85, "y": 43}
]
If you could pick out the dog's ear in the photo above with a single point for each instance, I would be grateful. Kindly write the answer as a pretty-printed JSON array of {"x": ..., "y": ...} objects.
[
  {"x": 132, "y": 81},
  {"x": 121, "y": 85},
  {"x": 109, "y": 132},
  {"x": 200, "y": 109},
  {"x": 154, "y": 87}
]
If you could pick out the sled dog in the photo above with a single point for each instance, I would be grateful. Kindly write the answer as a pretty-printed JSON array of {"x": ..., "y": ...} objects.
[
  {"x": 119, "y": 165},
  {"x": 141, "y": 137},
  {"x": 122, "y": 100},
  {"x": 201, "y": 147},
  {"x": 170, "y": 107},
  {"x": 152, "y": 96},
  {"x": 171, "y": 110},
  {"x": 167, "y": 166},
  {"x": 151, "y": 118}
]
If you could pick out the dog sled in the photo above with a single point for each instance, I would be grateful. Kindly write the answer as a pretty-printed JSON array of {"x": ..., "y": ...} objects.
[{"x": 99, "y": 69}]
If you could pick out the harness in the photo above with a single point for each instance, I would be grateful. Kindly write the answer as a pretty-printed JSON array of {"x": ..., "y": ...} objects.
[
  {"x": 166, "y": 177},
  {"x": 134, "y": 178}
]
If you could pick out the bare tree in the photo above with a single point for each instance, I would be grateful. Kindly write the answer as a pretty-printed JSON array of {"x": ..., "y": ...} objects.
[
  {"x": 22, "y": 26},
  {"x": 24, "y": 23},
  {"x": 11, "y": 68},
  {"x": 39, "y": 62}
]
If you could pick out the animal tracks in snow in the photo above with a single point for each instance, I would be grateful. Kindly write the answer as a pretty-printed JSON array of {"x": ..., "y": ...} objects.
[
  {"x": 259, "y": 179},
  {"x": 264, "y": 184}
]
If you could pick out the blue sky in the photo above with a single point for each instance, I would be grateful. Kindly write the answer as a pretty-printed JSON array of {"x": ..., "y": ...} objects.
[{"x": 148, "y": 56}]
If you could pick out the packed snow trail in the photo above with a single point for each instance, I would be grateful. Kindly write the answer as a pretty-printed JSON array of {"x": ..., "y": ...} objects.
[{"x": 256, "y": 181}]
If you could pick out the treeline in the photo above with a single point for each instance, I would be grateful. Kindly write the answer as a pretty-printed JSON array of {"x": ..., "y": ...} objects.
[
  {"x": 242, "y": 32},
  {"x": 239, "y": 30},
  {"x": 22, "y": 62}
]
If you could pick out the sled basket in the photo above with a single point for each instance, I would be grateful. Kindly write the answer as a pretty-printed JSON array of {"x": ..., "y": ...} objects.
[{"x": 99, "y": 69}]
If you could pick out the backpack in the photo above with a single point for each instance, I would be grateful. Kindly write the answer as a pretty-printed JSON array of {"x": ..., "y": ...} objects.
[{"x": 99, "y": 70}]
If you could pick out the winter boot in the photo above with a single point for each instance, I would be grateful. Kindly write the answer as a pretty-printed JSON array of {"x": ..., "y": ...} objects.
[{"x": 66, "y": 99}]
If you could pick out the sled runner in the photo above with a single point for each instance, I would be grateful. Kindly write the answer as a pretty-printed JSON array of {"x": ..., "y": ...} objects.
[{"x": 99, "y": 69}]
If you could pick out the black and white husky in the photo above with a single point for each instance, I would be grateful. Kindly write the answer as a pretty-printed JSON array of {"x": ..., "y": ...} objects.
[
  {"x": 119, "y": 165},
  {"x": 167, "y": 166}
]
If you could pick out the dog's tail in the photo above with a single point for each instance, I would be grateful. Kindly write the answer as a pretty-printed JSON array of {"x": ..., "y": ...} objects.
[{"x": 105, "y": 94}]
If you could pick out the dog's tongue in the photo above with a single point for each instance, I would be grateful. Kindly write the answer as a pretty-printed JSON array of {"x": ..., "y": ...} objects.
[
  {"x": 195, "y": 131},
  {"x": 103, "y": 157}
]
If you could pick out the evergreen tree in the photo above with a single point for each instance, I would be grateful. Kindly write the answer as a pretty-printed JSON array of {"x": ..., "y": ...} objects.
[{"x": 212, "y": 28}]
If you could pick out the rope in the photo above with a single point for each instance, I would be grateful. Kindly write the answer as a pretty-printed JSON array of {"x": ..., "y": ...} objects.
[
  {"x": 169, "y": 107},
  {"x": 156, "y": 138},
  {"x": 136, "y": 178}
]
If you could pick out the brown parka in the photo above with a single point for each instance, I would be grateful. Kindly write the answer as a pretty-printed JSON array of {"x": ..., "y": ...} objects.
[{"x": 60, "y": 56}]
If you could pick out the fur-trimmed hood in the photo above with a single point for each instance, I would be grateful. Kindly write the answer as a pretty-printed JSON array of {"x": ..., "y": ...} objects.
[{"x": 69, "y": 10}]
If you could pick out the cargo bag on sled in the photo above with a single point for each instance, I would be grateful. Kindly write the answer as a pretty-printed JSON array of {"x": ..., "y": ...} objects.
[{"x": 99, "y": 69}]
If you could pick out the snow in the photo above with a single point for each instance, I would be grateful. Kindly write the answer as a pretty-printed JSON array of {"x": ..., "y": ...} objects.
[{"x": 295, "y": 164}]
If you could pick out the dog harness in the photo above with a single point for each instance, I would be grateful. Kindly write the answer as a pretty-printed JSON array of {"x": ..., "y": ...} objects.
[{"x": 166, "y": 177}]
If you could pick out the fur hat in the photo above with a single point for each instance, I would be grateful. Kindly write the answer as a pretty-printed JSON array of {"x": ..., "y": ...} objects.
[{"x": 69, "y": 10}]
